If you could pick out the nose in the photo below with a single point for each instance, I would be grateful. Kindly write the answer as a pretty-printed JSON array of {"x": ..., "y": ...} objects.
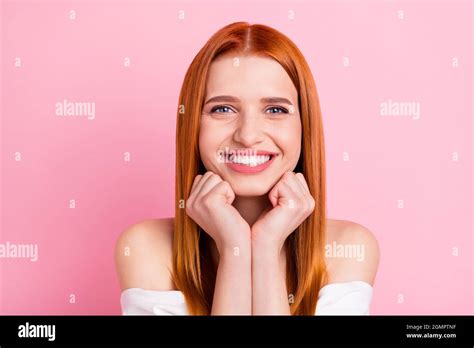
[{"x": 249, "y": 129}]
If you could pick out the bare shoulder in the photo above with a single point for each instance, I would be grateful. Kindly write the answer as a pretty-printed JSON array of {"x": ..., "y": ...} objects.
[
  {"x": 143, "y": 253},
  {"x": 352, "y": 252}
]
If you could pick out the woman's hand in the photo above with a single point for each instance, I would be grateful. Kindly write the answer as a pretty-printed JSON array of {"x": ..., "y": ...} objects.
[
  {"x": 292, "y": 204},
  {"x": 210, "y": 206}
]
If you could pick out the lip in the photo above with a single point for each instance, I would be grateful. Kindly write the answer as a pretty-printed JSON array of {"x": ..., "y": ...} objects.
[
  {"x": 253, "y": 152},
  {"x": 244, "y": 169},
  {"x": 263, "y": 152}
]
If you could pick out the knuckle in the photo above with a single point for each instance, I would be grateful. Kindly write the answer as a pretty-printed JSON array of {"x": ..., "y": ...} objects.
[
  {"x": 197, "y": 178},
  {"x": 303, "y": 204},
  {"x": 207, "y": 201},
  {"x": 312, "y": 203},
  {"x": 190, "y": 200},
  {"x": 286, "y": 177},
  {"x": 189, "y": 210},
  {"x": 188, "y": 205}
]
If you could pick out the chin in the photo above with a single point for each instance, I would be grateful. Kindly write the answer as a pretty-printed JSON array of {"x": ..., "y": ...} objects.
[{"x": 250, "y": 187}]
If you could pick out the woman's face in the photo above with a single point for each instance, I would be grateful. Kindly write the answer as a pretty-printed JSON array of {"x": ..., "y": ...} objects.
[{"x": 250, "y": 124}]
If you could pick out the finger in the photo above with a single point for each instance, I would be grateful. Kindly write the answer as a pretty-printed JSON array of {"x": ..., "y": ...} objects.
[
  {"x": 277, "y": 191},
  {"x": 202, "y": 181},
  {"x": 273, "y": 195},
  {"x": 223, "y": 189},
  {"x": 195, "y": 182},
  {"x": 210, "y": 182},
  {"x": 290, "y": 179},
  {"x": 281, "y": 194},
  {"x": 303, "y": 182}
]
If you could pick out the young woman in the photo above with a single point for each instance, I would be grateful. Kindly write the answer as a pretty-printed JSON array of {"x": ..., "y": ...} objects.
[{"x": 250, "y": 234}]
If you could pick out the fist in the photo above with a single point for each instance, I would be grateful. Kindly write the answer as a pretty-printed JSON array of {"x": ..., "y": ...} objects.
[
  {"x": 210, "y": 206},
  {"x": 291, "y": 203}
]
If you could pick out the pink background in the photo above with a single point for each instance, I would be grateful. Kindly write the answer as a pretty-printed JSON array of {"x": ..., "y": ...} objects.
[{"x": 390, "y": 158}]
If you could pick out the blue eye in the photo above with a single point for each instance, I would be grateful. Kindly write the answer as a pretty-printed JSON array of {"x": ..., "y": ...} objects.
[
  {"x": 221, "y": 108},
  {"x": 277, "y": 110}
]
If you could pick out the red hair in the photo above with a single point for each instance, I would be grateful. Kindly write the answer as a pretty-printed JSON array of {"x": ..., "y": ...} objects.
[{"x": 193, "y": 270}]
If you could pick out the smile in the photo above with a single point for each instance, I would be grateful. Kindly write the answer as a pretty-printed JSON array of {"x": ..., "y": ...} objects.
[
  {"x": 251, "y": 161},
  {"x": 250, "y": 164}
]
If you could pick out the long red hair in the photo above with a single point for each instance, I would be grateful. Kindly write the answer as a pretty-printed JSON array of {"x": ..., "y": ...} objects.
[{"x": 193, "y": 270}]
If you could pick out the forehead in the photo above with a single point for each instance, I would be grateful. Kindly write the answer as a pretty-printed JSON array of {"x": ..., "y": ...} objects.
[{"x": 249, "y": 77}]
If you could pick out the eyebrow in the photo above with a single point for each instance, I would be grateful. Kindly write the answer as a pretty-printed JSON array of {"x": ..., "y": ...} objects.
[{"x": 229, "y": 98}]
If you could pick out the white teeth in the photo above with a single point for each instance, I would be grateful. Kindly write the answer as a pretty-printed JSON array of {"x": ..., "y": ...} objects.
[{"x": 251, "y": 161}]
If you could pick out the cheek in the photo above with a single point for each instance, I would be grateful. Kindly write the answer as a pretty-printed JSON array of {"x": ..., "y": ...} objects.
[
  {"x": 209, "y": 144},
  {"x": 205, "y": 144},
  {"x": 289, "y": 140}
]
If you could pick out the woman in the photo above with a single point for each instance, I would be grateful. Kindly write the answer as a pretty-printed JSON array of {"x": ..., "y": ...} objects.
[{"x": 250, "y": 235}]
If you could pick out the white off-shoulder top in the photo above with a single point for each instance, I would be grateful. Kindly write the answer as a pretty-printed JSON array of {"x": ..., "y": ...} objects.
[{"x": 348, "y": 298}]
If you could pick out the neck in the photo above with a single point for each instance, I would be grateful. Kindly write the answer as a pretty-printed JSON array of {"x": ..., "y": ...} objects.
[{"x": 250, "y": 208}]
